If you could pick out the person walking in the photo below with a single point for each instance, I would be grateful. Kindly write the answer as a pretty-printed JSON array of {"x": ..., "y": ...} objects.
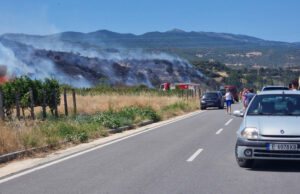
[
  {"x": 249, "y": 96},
  {"x": 245, "y": 91},
  {"x": 295, "y": 85},
  {"x": 228, "y": 98}
]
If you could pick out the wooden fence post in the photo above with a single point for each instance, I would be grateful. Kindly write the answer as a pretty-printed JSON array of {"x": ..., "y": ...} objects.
[
  {"x": 1, "y": 105},
  {"x": 17, "y": 104},
  {"x": 55, "y": 103},
  {"x": 66, "y": 102},
  {"x": 44, "y": 104},
  {"x": 74, "y": 101},
  {"x": 31, "y": 103}
]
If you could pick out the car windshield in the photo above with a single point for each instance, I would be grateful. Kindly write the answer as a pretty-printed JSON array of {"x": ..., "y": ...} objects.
[
  {"x": 275, "y": 104},
  {"x": 210, "y": 95}
]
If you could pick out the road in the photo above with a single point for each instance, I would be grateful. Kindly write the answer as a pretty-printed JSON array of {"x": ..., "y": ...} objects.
[{"x": 192, "y": 155}]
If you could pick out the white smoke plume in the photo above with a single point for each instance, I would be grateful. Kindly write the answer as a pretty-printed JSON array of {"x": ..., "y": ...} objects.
[
  {"x": 41, "y": 68},
  {"x": 132, "y": 58}
]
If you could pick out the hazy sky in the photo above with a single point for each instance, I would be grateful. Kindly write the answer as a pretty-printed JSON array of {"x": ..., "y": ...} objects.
[{"x": 267, "y": 19}]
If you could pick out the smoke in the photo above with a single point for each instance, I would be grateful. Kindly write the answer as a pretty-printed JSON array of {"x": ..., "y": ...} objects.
[
  {"x": 35, "y": 68},
  {"x": 127, "y": 66}
]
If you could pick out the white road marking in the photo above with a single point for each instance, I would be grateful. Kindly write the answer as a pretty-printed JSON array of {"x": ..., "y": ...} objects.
[
  {"x": 90, "y": 150},
  {"x": 219, "y": 131},
  {"x": 194, "y": 155},
  {"x": 228, "y": 122}
]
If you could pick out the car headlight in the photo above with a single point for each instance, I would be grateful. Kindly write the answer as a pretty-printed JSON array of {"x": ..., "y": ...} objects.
[{"x": 250, "y": 133}]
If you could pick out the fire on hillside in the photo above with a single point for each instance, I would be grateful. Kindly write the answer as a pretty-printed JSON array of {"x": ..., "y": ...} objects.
[{"x": 3, "y": 72}]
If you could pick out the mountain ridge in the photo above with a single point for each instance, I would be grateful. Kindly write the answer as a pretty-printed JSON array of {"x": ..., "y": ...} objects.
[
  {"x": 231, "y": 49},
  {"x": 200, "y": 38}
]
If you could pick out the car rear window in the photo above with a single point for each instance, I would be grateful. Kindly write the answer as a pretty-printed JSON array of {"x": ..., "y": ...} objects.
[
  {"x": 281, "y": 104},
  {"x": 210, "y": 95}
]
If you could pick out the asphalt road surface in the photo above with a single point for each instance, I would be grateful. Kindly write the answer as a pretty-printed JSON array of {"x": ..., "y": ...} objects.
[{"x": 192, "y": 155}]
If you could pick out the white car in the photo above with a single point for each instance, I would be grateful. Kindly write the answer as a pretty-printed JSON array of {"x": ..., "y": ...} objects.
[{"x": 270, "y": 128}]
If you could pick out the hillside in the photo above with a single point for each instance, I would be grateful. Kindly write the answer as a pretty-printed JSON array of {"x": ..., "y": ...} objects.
[
  {"x": 85, "y": 69},
  {"x": 231, "y": 49}
]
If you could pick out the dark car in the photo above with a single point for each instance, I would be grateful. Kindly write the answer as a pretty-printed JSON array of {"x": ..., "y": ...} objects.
[
  {"x": 223, "y": 92},
  {"x": 212, "y": 99}
]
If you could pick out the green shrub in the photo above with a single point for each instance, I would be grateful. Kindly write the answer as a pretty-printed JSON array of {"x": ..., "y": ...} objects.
[
  {"x": 82, "y": 136},
  {"x": 66, "y": 131},
  {"x": 22, "y": 85},
  {"x": 149, "y": 113},
  {"x": 108, "y": 119}
]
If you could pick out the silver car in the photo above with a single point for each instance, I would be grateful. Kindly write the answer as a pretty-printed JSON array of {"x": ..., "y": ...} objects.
[{"x": 270, "y": 128}]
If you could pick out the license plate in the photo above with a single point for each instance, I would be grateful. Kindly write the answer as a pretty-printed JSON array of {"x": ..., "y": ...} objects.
[{"x": 284, "y": 147}]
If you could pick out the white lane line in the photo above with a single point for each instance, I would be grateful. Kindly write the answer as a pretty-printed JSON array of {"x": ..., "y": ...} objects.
[
  {"x": 194, "y": 155},
  {"x": 90, "y": 150},
  {"x": 228, "y": 122},
  {"x": 219, "y": 131}
]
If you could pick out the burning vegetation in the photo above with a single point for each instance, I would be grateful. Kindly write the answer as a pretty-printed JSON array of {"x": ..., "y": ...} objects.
[{"x": 3, "y": 72}]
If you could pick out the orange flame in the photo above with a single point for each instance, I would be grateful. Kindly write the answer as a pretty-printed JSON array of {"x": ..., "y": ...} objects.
[{"x": 3, "y": 79}]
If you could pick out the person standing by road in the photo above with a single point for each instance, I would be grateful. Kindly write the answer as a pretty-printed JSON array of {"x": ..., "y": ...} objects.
[
  {"x": 295, "y": 85},
  {"x": 228, "y": 98},
  {"x": 249, "y": 96},
  {"x": 244, "y": 98}
]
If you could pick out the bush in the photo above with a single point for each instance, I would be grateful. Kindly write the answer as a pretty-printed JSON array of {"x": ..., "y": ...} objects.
[
  {"x": 149, "y": 113},
  {"x": 23, "y": 85},
  {"x": 82, "y": 136},
  {"x": 126, "y": 116},
  {"x": 66, "y": 131},
  {"x": 108, "y": 119}
]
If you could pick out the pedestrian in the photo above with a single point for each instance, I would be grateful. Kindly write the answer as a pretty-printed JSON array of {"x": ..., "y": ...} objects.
[
  {"x": 295, "y": 85},
  {"x": 245, "y": 91},
  {"x": 228, "y": 98},
  {"x": 249, "y": 96}
]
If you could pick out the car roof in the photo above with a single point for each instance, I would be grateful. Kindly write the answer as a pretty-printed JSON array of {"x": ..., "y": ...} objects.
[
  {"x": 212, "y": 92},
  {"x": 279, "y": 92},
  {"x": 272, "y": 86}
]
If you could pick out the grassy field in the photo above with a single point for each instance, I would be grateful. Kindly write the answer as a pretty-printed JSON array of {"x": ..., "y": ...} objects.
[{"x": 96, "y": 114}]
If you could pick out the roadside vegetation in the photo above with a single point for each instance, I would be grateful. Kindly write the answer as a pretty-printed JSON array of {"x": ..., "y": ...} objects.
[{"x": 98, "y": 110}]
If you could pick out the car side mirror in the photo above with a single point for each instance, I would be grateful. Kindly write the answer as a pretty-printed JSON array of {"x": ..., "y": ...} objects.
[{"x": 238, "y": 113}]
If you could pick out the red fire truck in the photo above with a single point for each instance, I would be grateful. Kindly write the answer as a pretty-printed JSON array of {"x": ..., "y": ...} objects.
[{"x": 181, "y": 86}]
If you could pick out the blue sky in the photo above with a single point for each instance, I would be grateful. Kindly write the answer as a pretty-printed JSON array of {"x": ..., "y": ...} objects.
[{"x": 267, "y": 19}]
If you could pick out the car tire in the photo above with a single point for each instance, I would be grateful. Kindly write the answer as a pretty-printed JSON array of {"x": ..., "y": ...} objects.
[
  {"x": 203, "y": 108},
  {"x": 221, "y": 107},
  {"x": 244, "y": 163}
]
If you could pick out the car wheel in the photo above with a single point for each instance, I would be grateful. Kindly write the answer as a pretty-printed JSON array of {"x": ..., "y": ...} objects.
[
  {"x": 244, "y": 163},
  {"x": 221, "y": 107},
  {"x": 203, "y": 108}
]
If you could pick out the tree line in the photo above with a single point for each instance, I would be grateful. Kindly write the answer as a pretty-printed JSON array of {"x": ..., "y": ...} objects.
[{"x": 25, "y": 93}]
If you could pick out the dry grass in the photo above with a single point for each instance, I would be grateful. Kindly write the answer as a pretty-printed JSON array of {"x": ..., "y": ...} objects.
[
  {"x": 90, "y": 104},
  {"x": 17, "y": 135},
  {"x": 13, "y": 135}
]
